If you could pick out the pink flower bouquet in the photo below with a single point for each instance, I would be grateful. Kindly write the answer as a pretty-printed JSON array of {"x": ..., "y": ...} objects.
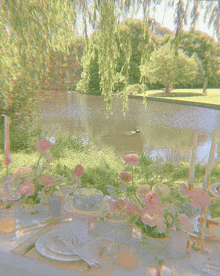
[
  {"x": 150, "y": 210},
  {"x": 35, "y": 183},
  {"x": 158, "y": 216}
]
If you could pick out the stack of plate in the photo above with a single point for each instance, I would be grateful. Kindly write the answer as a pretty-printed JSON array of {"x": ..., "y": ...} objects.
[{"x": 50, "y": 246}]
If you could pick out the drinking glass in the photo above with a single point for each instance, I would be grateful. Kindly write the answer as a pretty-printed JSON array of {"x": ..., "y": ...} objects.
[
  {"x": 116, "y": 222},
  {"x": 8, "y": 194},
  {"x": 8, "y": 224}
]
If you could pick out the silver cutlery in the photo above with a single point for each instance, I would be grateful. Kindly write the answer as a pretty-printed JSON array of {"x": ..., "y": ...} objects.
[
  {"x": 30, "y": 243},
  {"x": 42, "y": 225},
  {"x": 211, "y": 267},
  {"x": 28, "y": 248}
]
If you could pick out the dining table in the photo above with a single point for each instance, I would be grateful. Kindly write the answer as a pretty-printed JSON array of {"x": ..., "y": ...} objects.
[{"x": 25, "y": 255}]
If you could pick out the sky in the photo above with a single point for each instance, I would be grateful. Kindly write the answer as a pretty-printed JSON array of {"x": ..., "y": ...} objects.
[{"x": 166, "y": 19}]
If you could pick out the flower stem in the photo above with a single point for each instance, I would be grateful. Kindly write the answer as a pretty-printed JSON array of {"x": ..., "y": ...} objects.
[
  {"x": 142, "y": 205},
  {"x": 38, "y": 160},
  {"x": 203, "y": 228},
  {"x": 132, "y": 174}
]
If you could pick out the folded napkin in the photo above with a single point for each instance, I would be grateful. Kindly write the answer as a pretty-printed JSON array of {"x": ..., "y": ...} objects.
[
  {"x": 76, "y": 231},
  {"x": 75, "y": 236},
  {"x": 89, "y": 252}
]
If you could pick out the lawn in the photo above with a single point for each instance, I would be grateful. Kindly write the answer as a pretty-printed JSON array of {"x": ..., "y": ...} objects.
[{"x": 192, "y": 95}]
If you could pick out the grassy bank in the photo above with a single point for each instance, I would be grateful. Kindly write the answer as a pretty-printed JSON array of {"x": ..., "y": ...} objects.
[
  {"x": 192, "y": 95},
  {"x": 103, "y": 167}
]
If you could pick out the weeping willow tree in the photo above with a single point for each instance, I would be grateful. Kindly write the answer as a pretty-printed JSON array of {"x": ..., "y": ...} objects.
[
  {"x": 132, "y": 43},
  {"x": 30, "y": 31},
  {"x": 107, "y": 51},
  {"x": 212, "y": 13}
]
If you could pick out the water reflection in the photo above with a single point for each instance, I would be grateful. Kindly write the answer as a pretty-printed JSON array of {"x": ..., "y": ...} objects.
[{"x": 163, "y": 127}]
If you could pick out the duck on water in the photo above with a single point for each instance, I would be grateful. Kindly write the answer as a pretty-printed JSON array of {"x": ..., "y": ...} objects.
[{"x": 135, "y": 130}]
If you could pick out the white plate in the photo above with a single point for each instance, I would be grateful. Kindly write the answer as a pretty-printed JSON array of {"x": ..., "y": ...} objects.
[
  {"x": 45, "y": 243},
  {"x": 214, "y": 191},
  {"x": 57, "y": 246},
  {"x": 69, "y": 208}
]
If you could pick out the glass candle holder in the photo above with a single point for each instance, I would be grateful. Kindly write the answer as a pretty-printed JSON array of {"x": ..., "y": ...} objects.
[{"x": 8, "y": 224}]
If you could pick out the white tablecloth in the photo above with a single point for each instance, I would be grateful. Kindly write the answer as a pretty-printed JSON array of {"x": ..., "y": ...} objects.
[{"x": 14, "y": 265}]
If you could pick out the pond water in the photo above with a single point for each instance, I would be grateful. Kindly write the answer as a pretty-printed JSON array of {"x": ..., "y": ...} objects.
[{"x": 166, "y": 130}]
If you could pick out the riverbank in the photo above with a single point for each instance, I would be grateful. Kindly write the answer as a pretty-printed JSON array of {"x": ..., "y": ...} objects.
[{"x": 193, "y": 97}]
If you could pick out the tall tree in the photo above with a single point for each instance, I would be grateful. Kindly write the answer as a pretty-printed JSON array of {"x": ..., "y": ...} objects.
[
  {"x": 207, "y": 51},
  {"x": 168, "y": 68}
]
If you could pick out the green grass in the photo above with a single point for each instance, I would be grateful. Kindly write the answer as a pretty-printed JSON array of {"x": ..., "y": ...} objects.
[
  {"x": 192, "y": 95},
  {"x": 102, "y": 168}
]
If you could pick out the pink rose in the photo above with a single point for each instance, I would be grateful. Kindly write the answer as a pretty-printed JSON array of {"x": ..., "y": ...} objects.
[
  {"x": 200, "y": 198},
  {"x": 78, "y": 171},
  {"x": 152, "y": 199},
  {"x": 47, "y": 180},
  {"x": 118, "y": 204},
  {"x": 142, "y": 191},
  {"x": 151, "y": 216},
  {"x": 27, "y": 188},
  {"x": 153, "y": 210},
  {"x": 125, "y": 177},
  {"x": 43, "y": 145},
  {"x": 132, "y": 209},
  {"x": 183, "y": 219},
  {"x": 131, "y": 159},
  {"x": 22, "y": 172}
]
